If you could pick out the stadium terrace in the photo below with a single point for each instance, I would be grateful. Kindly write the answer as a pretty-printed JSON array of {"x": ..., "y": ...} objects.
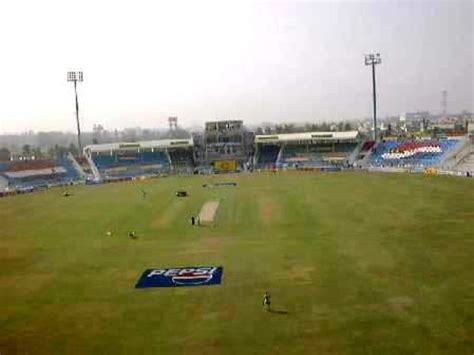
[{"x": 226, "y": 146}]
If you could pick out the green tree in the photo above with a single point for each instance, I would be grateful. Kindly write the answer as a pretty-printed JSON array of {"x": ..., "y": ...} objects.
[
  {"x": 73, "y": 149},
  {"x": 51, "y": 153},
  {"x": 4, "y": 154},
  {"x": 389, "y": 129},
  {"x": 324, "y": 127},
  {"x": 59, "y": 151},
  {"x": 26, "y": 150},
  {"x": 289, "y": 128},
  {"x": 37, "y": 153}
]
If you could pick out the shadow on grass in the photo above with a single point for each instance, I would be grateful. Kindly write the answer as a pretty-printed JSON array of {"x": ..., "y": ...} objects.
[{"x": 276, "y": 311}]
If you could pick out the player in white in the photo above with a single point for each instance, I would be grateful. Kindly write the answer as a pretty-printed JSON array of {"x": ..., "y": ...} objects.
[{"x": 266, "y": 301}]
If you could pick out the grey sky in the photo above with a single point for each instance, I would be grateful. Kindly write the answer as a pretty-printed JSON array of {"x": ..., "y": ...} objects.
[{"x": 201, "y": 60}]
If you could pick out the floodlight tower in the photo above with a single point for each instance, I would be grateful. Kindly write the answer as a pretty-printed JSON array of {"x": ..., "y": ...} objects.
[
  {"x": 173, "y": 122},
  {"x": 373, "y": 60},
  {"x": 444, "y": 101},
  {"x": 76, "y": 76}
]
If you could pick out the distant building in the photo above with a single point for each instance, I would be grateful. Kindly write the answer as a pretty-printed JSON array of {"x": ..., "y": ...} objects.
[{"x": 415, "y": 121}]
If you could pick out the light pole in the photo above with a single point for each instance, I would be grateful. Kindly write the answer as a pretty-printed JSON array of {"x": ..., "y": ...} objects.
[
  {"x": 73, "y": 76},
  {"x": 373, "y": 60}
]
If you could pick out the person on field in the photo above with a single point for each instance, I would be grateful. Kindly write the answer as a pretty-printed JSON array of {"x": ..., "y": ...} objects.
[
  {"x": 266, "y": 301},
  {"x": 193, "y": 220},
  {"x": 144, "y": 193}
]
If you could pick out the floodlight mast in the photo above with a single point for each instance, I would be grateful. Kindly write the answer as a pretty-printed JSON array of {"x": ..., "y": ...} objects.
[
  {"x": 373, "y": 60},
  {"x": 74, "y": 77}
]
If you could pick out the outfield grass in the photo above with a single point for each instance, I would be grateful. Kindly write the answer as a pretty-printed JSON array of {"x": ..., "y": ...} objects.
[{"x": 356, "y": 263}]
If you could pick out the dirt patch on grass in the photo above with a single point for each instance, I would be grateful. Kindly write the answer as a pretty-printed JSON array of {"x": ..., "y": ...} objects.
[
  {"x": 401, "y": 303},
  {"x": 48, "y": 323},
  {"x": 195, "y": 311},
  {"x": 228, "y": 313},
  {"x": 203, "y": 246},
  {"x": 269, "y": 210},
  {"x": 25, "y": 285},
  {"x": 266, "y": 211},
  {"x": 202, "y": 346},
  {"x": 300, "y": 274},
  {"x": 170, "y": 213},
  {"x": 315, "y": 338},
  {"x": 16, "y": 256}
]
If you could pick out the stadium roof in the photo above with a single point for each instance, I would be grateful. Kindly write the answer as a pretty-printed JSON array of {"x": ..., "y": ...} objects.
[
  {"x": 37, "y": 172},
  {"x": 306, "y": 136},
  {"x": 159, "y": 144}
]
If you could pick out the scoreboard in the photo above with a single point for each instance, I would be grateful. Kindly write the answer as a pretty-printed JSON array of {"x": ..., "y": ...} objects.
[{"x": 225, "y": 165}]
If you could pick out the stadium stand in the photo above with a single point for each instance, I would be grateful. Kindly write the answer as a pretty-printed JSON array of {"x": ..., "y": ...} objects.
[
  {"x": 182, "y": 160},
  {"x": 145, "y": 158},
  {"x": 298, "y": 154},
  {"x": 37, "y": 173},
  {"x": 367, "y": 146},
  {"x": 466, "y": 164},
  {"x": 309, "y": 149},
  {"x": 130, "y": 164},
  {"x": 415, "y": 153},
  {"x": 81, "y": 165},
  {"x": 267, "y": 155},
  {"x": 3, "y": 183},
  {"x": 363, "y": 155}
]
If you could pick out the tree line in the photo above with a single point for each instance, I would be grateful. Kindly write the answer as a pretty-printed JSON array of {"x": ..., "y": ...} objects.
[
  {"x": 54, "y": 145},
  {"x": 308, "y": 127},
  {"x": 34, "y": 152}
]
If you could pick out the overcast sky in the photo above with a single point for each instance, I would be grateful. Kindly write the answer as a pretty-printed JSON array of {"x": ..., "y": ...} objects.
[{"x": 202, "y": 60}]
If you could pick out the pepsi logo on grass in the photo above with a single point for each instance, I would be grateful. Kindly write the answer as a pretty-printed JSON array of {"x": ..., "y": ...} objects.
[{"x": 181, "y": 276}]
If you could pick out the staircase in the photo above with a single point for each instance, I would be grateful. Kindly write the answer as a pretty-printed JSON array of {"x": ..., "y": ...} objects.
[
  {"x": 467, "y": 163},
  {"x": 94, "y": 169},
  {"x": 456, "y": 155},
  {"x": 355, "y": 153},
  {"x": 3, "y": 183},
  {"x": 169, "y": 158},
  {"x": 255, "y": 157},
  {"x": 280, "y": 153},
  {"x": 76, "y": 166}
]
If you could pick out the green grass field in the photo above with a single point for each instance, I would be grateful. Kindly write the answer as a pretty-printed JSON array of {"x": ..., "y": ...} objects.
[{"x": 355, "y": 263}]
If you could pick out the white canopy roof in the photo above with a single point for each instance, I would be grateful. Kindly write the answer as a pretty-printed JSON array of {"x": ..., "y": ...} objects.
[
  {"x": 159, "y": 144},
  {"x": 306, "y": 136}
]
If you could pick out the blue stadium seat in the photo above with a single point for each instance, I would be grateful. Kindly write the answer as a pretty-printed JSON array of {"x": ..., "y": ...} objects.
[
  {"x": 383, "y": 154},
  {"x": 268, "y": 154},
  {"x": 317, "y": 155},
  {"x": 30, "y": 179},
  {"x": 130, "y": 164}
]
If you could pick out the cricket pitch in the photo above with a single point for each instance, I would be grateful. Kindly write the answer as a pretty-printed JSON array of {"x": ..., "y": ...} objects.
[{"x": 208, "y": 212}]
